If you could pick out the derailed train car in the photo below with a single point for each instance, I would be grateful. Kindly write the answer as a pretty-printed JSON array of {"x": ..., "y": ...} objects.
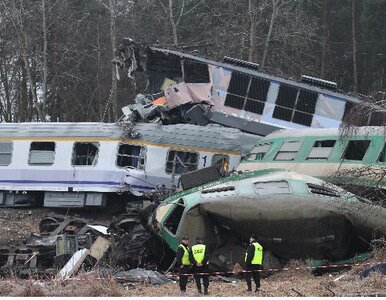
[
  {"x": 293, "y": 215},
  {"x": 88, "y": 164}
]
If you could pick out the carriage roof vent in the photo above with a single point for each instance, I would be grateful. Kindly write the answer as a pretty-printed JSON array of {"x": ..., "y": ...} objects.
[
  {"x": 321, "y": 190},
  {"x": 241, "y": 63},
  {"x": 330, "y": 85}
]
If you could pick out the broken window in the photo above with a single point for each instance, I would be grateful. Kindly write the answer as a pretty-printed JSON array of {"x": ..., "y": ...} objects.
[
  {"x": 174, "y": 218},
  {"x": 247, "y": 92},
  {"x": 5, "y": 153},
  {"x": 42, "y": 153},
  {"x": 181, "y": 162},
  {"x": 382, "y": 156},
  {"x": 295, "y": 105},
  {"x": 85, "y": 154},
  {"x": 272, "y": 187},
  {"x": 258, "y": 152},
  {"x": 221, "y": 161},
  {"x": 321, "y": 190},
  {"x": 321, "y": 149},
  {"x": 195, "y": 72},
  {"x": 288, "y": 151},
  {"x": 356, "y": 150},
  {"x": 131, "y": 156}
]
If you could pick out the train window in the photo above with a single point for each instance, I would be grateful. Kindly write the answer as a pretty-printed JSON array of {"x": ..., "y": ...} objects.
[
  {"x": 131, "y": 156},
  {"x": 258, "y": 152},
  {"x": 42, "y": 153},
  {"x": 221, "y": 161},
  {"x": 247, "y": 92},
  {"x": 295, "y": 105},
  {"x": 356, "y": 150},
  {"x": 382, "y": 156},
  {"x": 173, "y": 220},
  {"x": 321, "y": 149},
  {"x": 85, "y": 154},
  {"x": 181, "y": 162},
  {"x": 272, "y": 187},
  {"x": 5, "y": 153},
  {"x": 195, "y": 72},
  {"x": 288, "y": 151}
]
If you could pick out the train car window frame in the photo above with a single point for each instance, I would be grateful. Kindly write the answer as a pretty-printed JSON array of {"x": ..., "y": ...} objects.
[
  {"x": 383, "y": 155},
  {"x": 6, "y": 152},
  {"x": 259, "y": 155},
  {"x": 351, "y": 146},
  {"x": 296, "y": 105},
  {"x": 95, "y": 156},
  {"x": 286, "y": 153},
  {"x": 140, "y": 165},
  {"x": 42, "y": 154},
  {"x": 317, "y": 155},
  {"x": 272, "y": 187},
  {"x": 174, "y": 217},
  {"x": 169, "y": 170}
]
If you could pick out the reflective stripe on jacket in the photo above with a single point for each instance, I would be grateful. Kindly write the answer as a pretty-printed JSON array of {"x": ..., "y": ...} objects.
[
  {"x": 199, "y": 253},
  {"x": 185, "y": 257}
]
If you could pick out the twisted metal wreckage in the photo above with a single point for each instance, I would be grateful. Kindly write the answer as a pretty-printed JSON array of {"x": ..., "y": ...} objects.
[{"x": 294, "y": 215}]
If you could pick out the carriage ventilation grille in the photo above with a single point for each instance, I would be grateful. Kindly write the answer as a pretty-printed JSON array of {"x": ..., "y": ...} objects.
[
  {"x": 320, "y": 190},
  {"x": 218, "y": 190}
]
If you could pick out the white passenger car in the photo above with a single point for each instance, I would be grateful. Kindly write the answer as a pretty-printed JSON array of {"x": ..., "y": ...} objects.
[{"x": 85, "y": 164}]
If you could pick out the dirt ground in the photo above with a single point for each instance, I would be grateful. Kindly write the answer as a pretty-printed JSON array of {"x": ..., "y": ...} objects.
[{"x": 16, "y": 224}]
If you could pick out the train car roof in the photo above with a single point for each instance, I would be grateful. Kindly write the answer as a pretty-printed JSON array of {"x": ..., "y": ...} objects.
[
  {"x": 212, "y": 137},
  {"x": 349, "y": 131}
]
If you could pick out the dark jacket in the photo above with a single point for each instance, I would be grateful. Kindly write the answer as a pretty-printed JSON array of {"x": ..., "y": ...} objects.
[
  {"x": 205, "y": 260},
  {"x": 180, "y": 253},
  {"x": 250, "y": 254}
]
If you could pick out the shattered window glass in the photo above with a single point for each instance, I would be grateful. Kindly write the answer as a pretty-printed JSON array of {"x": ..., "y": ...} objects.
[
  {"x": 356, "y": 150},
  {"x": 5, "y": 153},
  {"x": 173, "y": 220},
  {"x": 382, "y": 156},
  {"x": 288, "y": 151},
  {"x": 258, "y": 152},
  {"x": 131, "y": 156},
  {"x": 195, "y": 72},
  {"x": 42, "y": 153},
  {"x": 295, "y": 105},
  {"x": 272, "y": 187},
  {"x": 321, "y": 149},
  {"x": 85, "y": 154},
  {"x": 181, "y": 162}
]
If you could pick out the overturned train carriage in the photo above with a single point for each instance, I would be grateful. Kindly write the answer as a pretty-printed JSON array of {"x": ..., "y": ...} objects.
[
  {"x": 293, "y": 215},
  {"x": 88, "y": 164}
]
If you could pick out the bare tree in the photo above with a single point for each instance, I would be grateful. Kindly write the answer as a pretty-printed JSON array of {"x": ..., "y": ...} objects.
[
  {"x": 175, "y": 10},
  {"x": 354, "y": 47}
]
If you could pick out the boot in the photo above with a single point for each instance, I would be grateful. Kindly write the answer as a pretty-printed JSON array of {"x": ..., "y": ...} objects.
[{"x": 206, "y": 292}]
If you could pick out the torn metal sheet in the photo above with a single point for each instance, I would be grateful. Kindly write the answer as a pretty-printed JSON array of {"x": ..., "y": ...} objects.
[
  {"x": 73, "y": 264},
  {"x": 99, "y": 248},
  {"x": 142, "y": 275},
  {"x": 182, "y": 93}
]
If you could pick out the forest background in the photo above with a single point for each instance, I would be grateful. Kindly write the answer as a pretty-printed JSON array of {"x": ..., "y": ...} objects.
[{"x": 56, "y": 55}]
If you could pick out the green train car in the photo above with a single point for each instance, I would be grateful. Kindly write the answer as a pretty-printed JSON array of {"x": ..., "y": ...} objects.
[{"x": 355, "y": 155}]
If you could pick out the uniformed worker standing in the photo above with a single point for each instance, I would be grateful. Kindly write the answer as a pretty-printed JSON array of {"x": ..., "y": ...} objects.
[
  {"x": 183, "y": 255},
  {"x": 253, "y": 262},
  {"x": 200, "y": 260}
]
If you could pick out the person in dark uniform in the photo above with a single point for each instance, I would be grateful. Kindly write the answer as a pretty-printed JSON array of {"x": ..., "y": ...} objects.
[
  {"x": 183, "y": 256},
  {"x": 253, "y": 262},
  {"x": 200, "y": 260}
]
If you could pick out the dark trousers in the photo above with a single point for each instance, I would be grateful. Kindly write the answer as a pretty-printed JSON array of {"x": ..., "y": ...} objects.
[
  {"x": 184, "y": 278},
  {"x": 252, "y": 273},
  {"x": 205, "y": 278}
]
